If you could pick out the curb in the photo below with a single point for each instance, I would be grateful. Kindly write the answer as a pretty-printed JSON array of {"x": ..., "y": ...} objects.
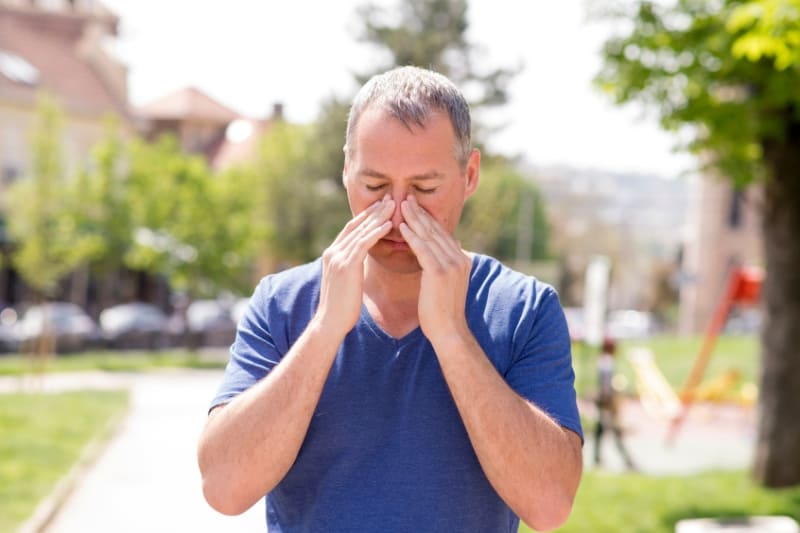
[{"x": 50, "y": 506}]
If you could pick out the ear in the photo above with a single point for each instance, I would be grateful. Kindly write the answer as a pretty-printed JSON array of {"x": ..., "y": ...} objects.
[
  {"x": 344, "y": 174},
  {"x": 472, "y": 173}
]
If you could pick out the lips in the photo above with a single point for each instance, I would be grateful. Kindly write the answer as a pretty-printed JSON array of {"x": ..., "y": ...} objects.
[{"x": 395, "y": 243}]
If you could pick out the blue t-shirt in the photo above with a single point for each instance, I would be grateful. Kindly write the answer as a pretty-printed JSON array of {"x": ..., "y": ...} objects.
[{"x": 386, "y": 449}]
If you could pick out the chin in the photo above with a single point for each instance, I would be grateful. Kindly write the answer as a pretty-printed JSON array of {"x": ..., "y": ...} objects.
[{"x": 397, "y": 262}]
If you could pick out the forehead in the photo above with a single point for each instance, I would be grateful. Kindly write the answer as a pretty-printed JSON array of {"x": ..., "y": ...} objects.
[{"x": 380, "y": 135}]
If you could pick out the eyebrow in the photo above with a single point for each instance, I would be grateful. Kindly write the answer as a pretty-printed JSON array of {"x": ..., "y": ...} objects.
[{"x": 370, "y": 173}]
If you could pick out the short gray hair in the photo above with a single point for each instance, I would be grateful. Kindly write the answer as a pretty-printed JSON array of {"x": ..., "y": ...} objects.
[{"x": 412, "y": 95}]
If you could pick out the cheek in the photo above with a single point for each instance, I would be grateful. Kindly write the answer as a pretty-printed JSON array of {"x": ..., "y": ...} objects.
[
  {"x": 360, "y": 199},
  {"x": 440, "y": 211}
]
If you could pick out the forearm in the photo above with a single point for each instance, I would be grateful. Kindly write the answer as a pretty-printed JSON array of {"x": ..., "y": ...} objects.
[
  {"x": 532, "y": 462},
  {"x": 248, "y": 446}
]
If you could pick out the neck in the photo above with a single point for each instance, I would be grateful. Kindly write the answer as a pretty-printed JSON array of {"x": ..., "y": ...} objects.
[{"x": 384, "y": 286}]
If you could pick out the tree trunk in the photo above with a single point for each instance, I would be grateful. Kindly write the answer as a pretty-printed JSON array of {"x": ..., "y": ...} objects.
[{"x": 777, "y": 461}]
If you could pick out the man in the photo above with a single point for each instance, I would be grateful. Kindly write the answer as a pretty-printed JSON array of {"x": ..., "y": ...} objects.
[{"x": 399, "y": 383}]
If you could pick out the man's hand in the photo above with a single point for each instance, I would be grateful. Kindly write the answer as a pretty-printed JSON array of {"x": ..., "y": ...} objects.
[
  {"x": 445, "y": 272},
  {"x": 343, "y": 267}
]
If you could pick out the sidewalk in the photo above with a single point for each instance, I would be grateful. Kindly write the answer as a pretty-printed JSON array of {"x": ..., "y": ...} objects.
[
  {"x": 147, "y": 479},
  {"x": 712, "y": 437}
]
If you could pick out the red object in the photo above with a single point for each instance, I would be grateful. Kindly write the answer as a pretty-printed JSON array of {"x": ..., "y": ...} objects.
[
  {"x": 747, "y": 283},
  {"x": 744, "y": 287}
]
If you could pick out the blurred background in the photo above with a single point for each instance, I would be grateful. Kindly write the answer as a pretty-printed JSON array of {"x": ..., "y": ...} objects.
[{"x": 158, "y": 158}]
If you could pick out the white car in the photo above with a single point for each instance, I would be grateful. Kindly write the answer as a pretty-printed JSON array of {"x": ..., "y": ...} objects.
[{"x": 68, "y": 325}]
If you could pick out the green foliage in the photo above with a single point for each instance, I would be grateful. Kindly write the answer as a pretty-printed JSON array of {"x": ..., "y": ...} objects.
[
  {"x": 43, "y": 437},
  {"x": 728, "y": 70},
  {"x": 180, "y": 217},
  {"x": 39, "y": 215},
  {"x": 506, "y": 211},
  {"x": 97, "y": 202},
  {"x": 299, "y": 205},
  {"x": 129, "y": 361}
]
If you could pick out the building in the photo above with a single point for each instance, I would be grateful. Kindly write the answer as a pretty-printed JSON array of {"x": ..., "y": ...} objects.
[
  {"x": 204, "y": 126},
  {"x": 724, "y": 232},
  {"x": 57, "y": 47},
  {"x": 636, "y": 220}
]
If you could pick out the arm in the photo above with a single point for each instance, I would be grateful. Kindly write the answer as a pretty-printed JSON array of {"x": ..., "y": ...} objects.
[
  {"x": 248, "y": 445},
  {"x": 533, "y": 463}
]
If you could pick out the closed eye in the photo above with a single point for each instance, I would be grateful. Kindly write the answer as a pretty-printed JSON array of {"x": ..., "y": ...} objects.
[
  {"x": 423, "y": 190},
  {"x": 375, "y": 187}
]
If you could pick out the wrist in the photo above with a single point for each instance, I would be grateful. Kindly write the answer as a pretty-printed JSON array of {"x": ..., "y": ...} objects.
[{"x": 452, "y": 341}]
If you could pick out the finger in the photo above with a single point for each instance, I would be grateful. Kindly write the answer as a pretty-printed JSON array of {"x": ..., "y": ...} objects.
[
  {"x": 420, "y": 247},
  {"x": 418, "y": 220},
  {"x": 359, "y": 249},
  {"x": 428, "y": 229},
  {"x": 376, "y": 219},
  {"x": 359, "y": 219}
]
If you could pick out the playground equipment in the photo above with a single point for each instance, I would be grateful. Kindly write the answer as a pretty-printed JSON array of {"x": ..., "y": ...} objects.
[
  {"x": 657, "y": 396},
  {"x": 743, "y": 288}
]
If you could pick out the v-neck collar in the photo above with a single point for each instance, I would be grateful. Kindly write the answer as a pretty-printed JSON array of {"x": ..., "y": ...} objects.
[
  {"x": 379, "y": 332},
  {"x": 415, "y": 333}
]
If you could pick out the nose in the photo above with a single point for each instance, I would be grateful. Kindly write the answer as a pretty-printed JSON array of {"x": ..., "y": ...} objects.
[{"x": 397, "y": 216}]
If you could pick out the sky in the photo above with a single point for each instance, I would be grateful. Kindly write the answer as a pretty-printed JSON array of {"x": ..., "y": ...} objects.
[{"x": 250, "y": 54}]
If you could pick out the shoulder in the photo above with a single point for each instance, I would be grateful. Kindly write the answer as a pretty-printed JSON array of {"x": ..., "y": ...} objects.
[
  {"x": 496, "y": 283},
  {"x": 284, "y": 290},
  {"x": 292, "y": 279}
]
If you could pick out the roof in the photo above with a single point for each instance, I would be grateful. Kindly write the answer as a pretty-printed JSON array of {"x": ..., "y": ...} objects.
[
  {"x": 186, "y": 104},
  {"x": 48, "y": 44},
  {"x": 239, "y": 144}
]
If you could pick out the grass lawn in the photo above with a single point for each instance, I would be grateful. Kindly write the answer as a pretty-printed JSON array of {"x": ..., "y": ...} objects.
[
  {"x": 134, "y": 361},
  {"x": 613, "y": 503},
  {"x": 43, "y": 436},
  {"x": 675, "y": 356}
]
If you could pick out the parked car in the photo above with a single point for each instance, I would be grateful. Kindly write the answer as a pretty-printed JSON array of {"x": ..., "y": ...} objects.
[
  {"x": 8, "y": 334},
  {"x": 238, "y": 309},
  {"x": 69, "y": 325},
  {"x": 210, "y": 323},
  {"x": 629, "y": 324},
  {"x": 575, "y": 323},
  {"x": 135, "y": 325}
]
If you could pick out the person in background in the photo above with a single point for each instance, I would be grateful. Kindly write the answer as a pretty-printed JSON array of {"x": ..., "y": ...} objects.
[
  {"x": 607, "y": 402},
  {"x": 399, "y": 383}
]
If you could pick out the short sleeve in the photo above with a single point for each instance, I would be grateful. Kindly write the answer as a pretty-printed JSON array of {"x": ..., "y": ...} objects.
[
  {"x": 253, "y": 353},
  {"x": 541, "y": 370}
]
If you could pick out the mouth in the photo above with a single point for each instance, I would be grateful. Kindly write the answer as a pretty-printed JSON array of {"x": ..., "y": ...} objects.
[{"x": 395, "y": 243}]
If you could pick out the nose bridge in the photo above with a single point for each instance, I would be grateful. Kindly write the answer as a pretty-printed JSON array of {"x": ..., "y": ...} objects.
[{"x": 399, "y": 191}]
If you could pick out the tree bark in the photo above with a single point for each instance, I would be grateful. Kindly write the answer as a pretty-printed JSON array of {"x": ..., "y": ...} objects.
[{"x": 777, "y": 461}]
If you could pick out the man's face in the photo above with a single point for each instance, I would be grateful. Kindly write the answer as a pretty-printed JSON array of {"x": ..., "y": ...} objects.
[{"x": 388, "y": 158}]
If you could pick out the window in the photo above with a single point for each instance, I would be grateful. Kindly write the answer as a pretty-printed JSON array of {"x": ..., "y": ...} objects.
[{"x": 735, "y": 211}]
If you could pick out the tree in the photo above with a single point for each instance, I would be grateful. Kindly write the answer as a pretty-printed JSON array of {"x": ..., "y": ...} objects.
[
  {"x": 185, "y": 224},
  {"x": 433, "y": 34},
  {"x": 49, "y": 247},
  {"x": 505, "y": 217},
  {"x": 300, "y": 204},
  {"x": 729, "y": 70},
  {"x": 97, "y": 203}
]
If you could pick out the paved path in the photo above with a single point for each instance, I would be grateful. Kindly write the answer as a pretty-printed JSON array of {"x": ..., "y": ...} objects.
[
  {"x": 147, "y": 478},
  {"x": 712, "y": 437}
]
